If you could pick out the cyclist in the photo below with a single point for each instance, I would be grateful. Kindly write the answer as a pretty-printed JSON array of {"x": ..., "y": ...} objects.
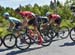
[
  {"x": 54, "y": 18},
  {"x": 14, "y": 22},
  {"x": 29, "y": 18}
]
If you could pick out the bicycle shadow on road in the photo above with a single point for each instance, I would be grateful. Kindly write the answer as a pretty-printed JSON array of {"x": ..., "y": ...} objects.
[
  {"x": 1, "y": 50},
  {"x": 22, "y": 51},
  {"x": 68, "y": 44}
]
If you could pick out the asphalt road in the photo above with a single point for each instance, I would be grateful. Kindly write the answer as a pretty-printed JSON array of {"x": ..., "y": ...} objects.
[{"x": 58, "y": 47}]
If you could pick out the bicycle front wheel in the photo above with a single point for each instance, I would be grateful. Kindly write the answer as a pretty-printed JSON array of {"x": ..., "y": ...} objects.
[
  {"x": 23, "y": 42},
  {"x": 9, "y": 40}
]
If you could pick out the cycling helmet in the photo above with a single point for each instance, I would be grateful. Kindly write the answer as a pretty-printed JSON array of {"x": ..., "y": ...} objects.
[
  {"x": 17, "y": 10},
  {"x": 6, "y": 14},
  {"x": 48, "y": 13}
]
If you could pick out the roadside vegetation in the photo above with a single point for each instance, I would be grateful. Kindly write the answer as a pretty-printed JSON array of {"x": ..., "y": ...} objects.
[{"x": 63, "y": 10}]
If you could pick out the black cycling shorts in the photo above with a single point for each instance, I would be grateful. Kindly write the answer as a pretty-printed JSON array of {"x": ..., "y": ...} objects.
[
  {"x": 17, "y": 25},
  {"x": 58, "y": 21},
  {"x": 33, "y": 22}
]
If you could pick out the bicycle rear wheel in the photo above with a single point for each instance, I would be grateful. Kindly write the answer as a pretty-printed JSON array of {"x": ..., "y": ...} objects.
[
  {"x": 46, "y": 41},
  {"x": 23, "y": 42},
  {"x": 9, "y": 40},
  {"x": 46, "y": 37}
]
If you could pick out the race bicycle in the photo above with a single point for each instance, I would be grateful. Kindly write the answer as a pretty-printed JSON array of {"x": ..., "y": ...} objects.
[
  {"x": 52, "y": 32},
  {"x": 32, "y": 39}
]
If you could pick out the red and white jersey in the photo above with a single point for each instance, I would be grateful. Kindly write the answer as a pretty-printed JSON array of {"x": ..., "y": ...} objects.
[
  {"x": 27, "y": 14},
  {"x": 54, "y": 16}
]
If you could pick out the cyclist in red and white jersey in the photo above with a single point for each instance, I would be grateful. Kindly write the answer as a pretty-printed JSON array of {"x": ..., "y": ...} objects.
[
  {"x": 54, "y": 18},
  {"x": 29, "y": 18}
]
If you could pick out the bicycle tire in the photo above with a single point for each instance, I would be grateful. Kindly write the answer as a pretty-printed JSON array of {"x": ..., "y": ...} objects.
[
  {"x": 47, "y": 42},
  {"x": 9, "y": 37},
  {"x": 26, "y": 42},
  {"x": 63, "y": 32},
  {"x": 0, "y": 41},
  {"x": 46, "y": 38},
  {"x": 71, "y": 36}
]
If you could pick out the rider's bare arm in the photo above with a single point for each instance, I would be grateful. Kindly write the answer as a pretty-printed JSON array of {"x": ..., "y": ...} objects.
[
  {"x": 12, "y": 25},
  {"x": 24, "y": 23}
]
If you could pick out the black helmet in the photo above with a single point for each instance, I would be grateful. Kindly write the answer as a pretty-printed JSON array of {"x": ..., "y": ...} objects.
[{"x": 17, "y": 10}]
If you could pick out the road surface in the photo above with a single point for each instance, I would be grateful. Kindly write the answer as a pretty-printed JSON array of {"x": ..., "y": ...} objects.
[{"x": 58, "y": 47}]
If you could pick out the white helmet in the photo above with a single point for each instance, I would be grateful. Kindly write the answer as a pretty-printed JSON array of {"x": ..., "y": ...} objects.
[
  {"x": 48, "y": 13},
  {"x": 6, "y": 14}
]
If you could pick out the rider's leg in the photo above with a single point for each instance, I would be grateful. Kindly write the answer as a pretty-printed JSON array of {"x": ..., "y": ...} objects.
[
  {"x": 44, "y": 26},
  {"x": 39, "y": 35},
  {"x": 35, "y": 23},
  {"x": 58, "y": 22},
  {"x": 17, "y": 27}
]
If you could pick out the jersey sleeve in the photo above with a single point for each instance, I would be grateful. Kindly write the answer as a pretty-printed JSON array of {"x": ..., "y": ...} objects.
[{"x": 11, "y": 21}]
